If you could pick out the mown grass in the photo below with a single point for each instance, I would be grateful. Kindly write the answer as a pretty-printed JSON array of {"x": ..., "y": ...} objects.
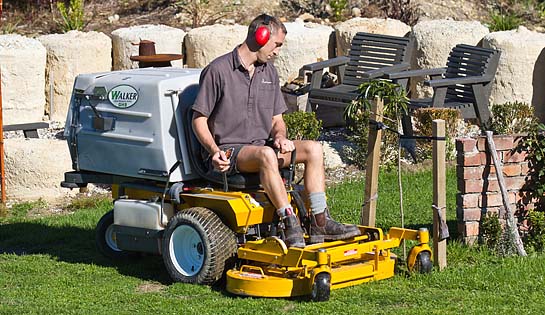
[{"x": 49, "y": 265}]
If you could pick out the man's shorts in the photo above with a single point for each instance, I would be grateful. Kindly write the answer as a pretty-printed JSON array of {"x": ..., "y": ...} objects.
[{"x": 233, "y": 159}]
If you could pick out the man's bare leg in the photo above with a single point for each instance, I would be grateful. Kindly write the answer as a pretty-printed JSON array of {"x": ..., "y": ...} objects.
[
  {"x": 263, "y": 160},
  {"x": 323, "y": 227}
]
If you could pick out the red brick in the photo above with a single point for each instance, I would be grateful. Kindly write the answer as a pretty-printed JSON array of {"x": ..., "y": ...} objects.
[
  {"x": 469, "y": 214},
  {"x": 470, "y": 172},
  {"x": 470, "y": 229},
  {"x": 524, "y": 168},
  {"x": 465, "y": 144},
  {"x": 511, "y": 169},
  {"x": 490, "y": 170},
  {"x": 473, "y": 159},
  {"x": 470, "y": 186},
  {"x": 502, "y": 143},
  {"x": 491, "y": 185},
  {"x": 515, "y": 183},
  {"x": 467, "y": 200},
  {"x": 495, "y": 200},
  {"x": 513, "y": 157}
]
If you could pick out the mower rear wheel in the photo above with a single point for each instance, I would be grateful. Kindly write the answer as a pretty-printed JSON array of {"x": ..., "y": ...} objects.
[
  {"x": 198, "y": 247},
  {"x": 321, "y": 288},
  {"x": 423, "y": 262},
  {"x": 105, "y": 238}
]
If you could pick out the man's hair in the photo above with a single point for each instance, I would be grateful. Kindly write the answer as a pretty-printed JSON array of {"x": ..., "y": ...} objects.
[{"x": 273, "y": 23}]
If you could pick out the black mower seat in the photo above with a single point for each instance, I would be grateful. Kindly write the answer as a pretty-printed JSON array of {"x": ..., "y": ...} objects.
[{"x": 237, "y": 181}]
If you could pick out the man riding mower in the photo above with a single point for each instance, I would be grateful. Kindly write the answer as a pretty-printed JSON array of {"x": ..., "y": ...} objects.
[{"x": 133, "y": 129}]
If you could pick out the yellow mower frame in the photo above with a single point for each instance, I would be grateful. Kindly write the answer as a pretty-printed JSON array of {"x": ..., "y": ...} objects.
[{"x": 266, "y": 267}]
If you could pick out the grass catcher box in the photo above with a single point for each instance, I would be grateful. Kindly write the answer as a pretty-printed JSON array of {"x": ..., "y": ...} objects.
[{"x": 129, "y": 123}]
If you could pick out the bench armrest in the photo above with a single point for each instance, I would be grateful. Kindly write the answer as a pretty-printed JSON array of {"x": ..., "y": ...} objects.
[
  {"x": 377, "y": 73},
  {"x": 320, "y": 65},
  {"x": 460, "y": 80},
  {"x": 416, "y": 73}
]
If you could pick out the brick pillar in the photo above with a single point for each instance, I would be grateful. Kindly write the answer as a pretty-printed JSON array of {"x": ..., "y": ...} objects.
[{"x": 478, "y": 188}]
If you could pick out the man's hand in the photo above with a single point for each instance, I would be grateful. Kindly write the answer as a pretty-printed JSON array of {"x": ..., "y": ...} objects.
[
  {"x": 283, "y": 144},
  {"x": 221, "y": 160}
]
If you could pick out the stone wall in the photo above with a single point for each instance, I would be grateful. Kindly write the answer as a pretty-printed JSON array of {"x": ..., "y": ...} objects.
[
  {"x": 521, "y": 70},
  {"x": 68, "y": 55},
  {"x": 478, "y": 187},
  {"x": 35, "y": 168},
  {"x": 168, "y": 40},
  {"x": 22, "y": 65},
  {"x": 520, "y": 74},
  {"x": 204, "y": 44}
]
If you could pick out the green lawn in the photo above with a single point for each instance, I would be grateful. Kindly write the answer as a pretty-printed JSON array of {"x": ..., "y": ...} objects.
[{"x": 50, "y": 266}]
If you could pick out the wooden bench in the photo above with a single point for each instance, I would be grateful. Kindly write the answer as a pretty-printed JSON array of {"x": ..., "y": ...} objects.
[
  {"x": 30, "y": 130},
  {"x": 371, "y": 56},
  {"x": 464, "y": 84}
]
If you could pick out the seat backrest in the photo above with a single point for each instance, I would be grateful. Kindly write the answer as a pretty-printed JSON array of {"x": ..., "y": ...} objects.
[
  {"x": 465, "y": 61},
  {"x": 194, "y": 147},
  {"x": 374, "y": 51}
]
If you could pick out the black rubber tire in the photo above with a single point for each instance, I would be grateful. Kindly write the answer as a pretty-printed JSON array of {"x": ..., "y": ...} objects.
[
  {"x": 211, "y": 243},
  {"x": 105, "y": 239},
  {"x": 423, "y": 262},
  {"x": 321, "y": 288}
]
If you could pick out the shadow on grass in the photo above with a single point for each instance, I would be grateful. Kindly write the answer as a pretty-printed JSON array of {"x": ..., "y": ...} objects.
[
  {"x": 74, "y": 245},
  {"x": 77, "y": 245}
]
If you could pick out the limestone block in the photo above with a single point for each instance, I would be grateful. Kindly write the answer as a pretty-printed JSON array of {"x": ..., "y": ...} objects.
[
  {"x": 332, "y": 155},
  {"x": 521, "y": 70},
  {"x": 305, "y": 43},
  {"x": 168, "y": 40},
  {"x": 22, "y": 66},
  {"x": 435, "y": 39},
  {"x": 204, "y": 44},
  {"x": 295, "y": 103},
  {"x": 68, "y": 55},
  {"x": 35, "y": 167},
  {"x": 345, "y": 31}
]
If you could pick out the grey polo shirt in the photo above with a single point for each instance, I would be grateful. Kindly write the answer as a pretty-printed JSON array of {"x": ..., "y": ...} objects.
[{"x": 239, "y": 109}]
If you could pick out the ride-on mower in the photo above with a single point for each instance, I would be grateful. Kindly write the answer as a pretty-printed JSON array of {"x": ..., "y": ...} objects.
[{"x": 132, "y": 129}]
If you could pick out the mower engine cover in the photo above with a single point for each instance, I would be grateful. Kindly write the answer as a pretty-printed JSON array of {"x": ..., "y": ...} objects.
[{"x": 129, "y": 122}]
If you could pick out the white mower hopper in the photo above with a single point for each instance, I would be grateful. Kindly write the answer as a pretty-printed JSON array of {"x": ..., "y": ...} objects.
[{"x": 129, "y": 123}]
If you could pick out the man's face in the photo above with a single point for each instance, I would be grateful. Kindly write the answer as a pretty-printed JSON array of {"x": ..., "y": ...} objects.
[{"x": 271, "y": 48}]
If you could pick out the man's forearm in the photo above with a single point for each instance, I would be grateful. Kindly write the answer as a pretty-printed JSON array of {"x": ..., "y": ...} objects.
[
  {"x": 200, "y": 127},
  {"x": 278, "y": 128}
]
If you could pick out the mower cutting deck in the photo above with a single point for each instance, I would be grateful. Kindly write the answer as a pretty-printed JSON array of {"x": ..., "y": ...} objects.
[{"x": 275, "y": 271}]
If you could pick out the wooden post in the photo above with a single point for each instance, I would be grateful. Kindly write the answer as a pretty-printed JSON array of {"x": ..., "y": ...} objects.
[
  {"x": 2, "y": 171},
  {"x": 439, "y": 194},
  {"x": 369, "y": 208},
  {"x": 511, "y": 224}
]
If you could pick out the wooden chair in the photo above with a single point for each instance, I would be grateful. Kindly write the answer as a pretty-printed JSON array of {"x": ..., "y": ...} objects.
[
  {"x": 371, "y": 56},
  {"x": 463, "y": 84}
]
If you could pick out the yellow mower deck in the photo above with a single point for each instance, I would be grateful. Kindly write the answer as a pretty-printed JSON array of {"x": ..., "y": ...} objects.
[
  {"x": 267, "y": 268},
  {"x": 272, "y": 270}
]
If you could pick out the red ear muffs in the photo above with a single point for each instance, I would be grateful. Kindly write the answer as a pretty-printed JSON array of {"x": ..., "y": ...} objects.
[{"x": 262, "y": 35}]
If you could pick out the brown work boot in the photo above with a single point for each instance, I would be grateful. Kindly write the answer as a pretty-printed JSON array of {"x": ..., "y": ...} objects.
[
  {"x": 293, "y": 233},
  {"x": 324, "y": 228}
]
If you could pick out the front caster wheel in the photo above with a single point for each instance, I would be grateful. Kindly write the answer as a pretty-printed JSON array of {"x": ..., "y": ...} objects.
[
  {"x": 321, "y": 288},
  {"x": 423, "y": 262}
]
